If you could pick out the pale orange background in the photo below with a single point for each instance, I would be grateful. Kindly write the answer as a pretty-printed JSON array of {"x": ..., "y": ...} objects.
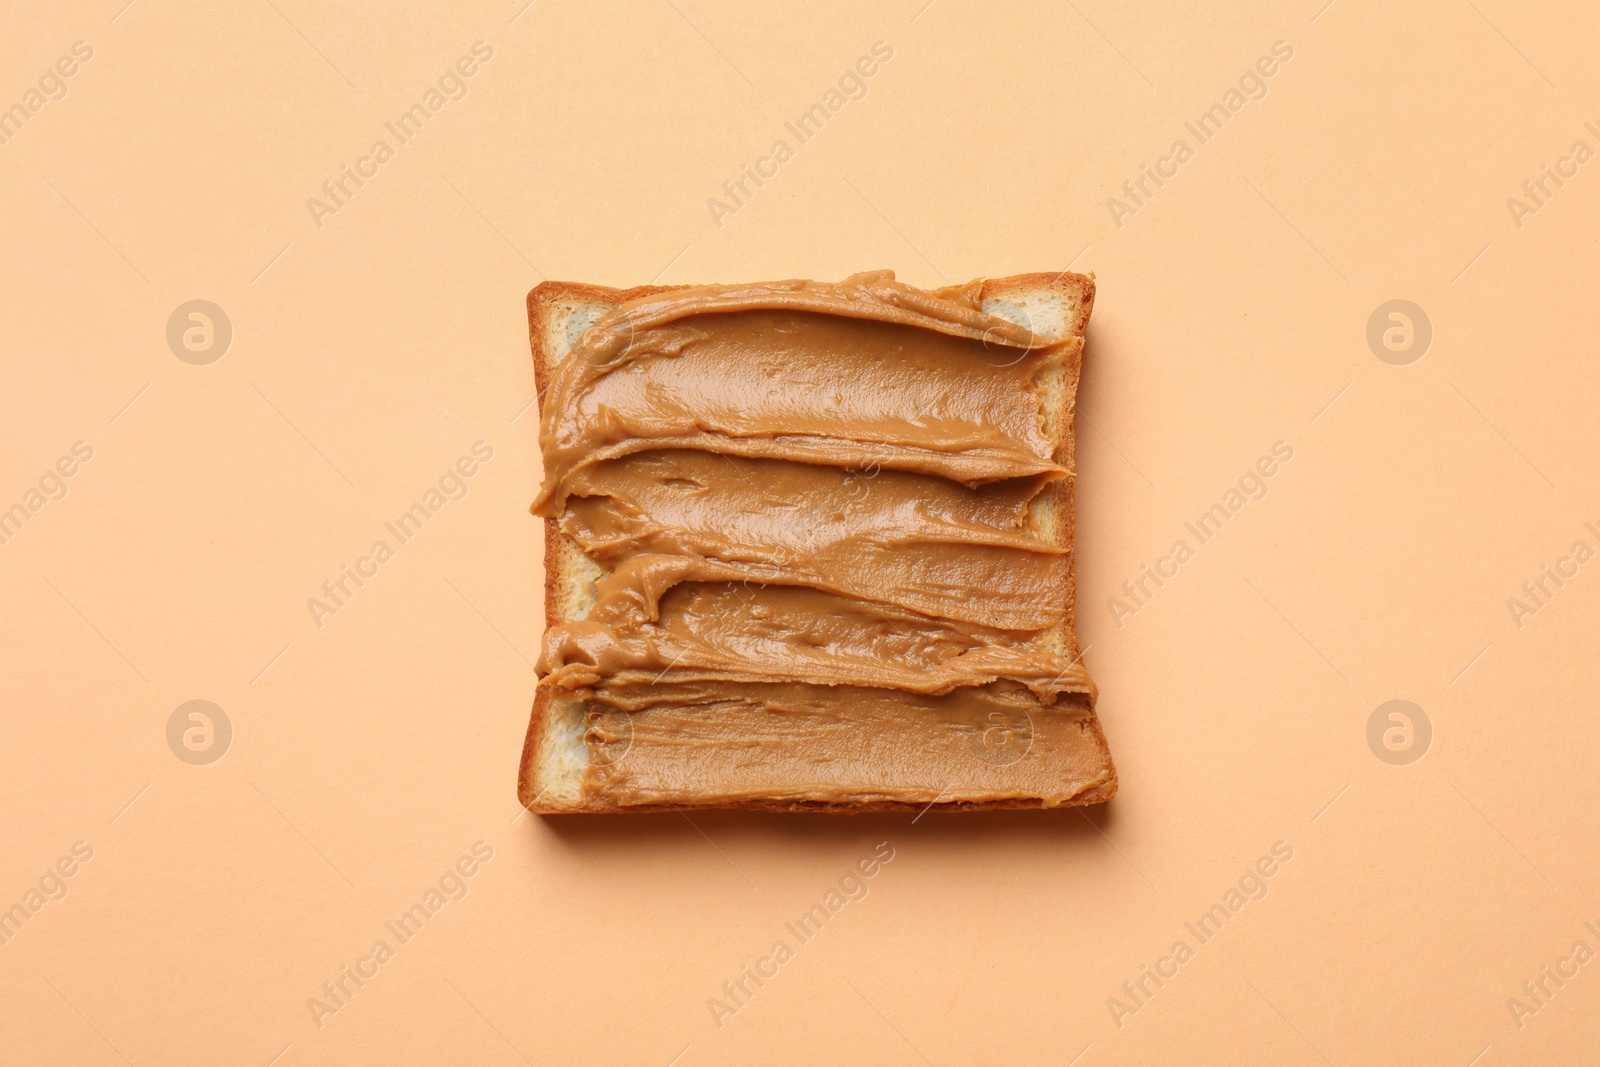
[{"x": 369, "y": 754}]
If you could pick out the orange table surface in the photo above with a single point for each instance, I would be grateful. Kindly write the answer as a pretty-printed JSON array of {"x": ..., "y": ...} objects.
[{"x": 263, "y": 286}]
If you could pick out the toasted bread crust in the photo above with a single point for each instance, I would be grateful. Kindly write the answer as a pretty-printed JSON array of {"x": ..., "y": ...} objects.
[{"x": 1057, "y": 500}]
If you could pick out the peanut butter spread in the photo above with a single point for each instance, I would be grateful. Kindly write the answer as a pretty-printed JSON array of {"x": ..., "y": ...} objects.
[{"x": 836, "y": 568}]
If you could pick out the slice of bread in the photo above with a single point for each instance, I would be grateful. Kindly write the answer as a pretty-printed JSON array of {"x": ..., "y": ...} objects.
[{"x": 566, "y": 748}]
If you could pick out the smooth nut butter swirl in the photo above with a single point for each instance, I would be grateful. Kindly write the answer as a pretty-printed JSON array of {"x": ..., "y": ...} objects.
[{"x": 820, "y": 508}]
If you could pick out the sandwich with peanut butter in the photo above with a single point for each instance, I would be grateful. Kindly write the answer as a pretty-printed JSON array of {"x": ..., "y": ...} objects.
[{"x": 808, "y": 547}]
